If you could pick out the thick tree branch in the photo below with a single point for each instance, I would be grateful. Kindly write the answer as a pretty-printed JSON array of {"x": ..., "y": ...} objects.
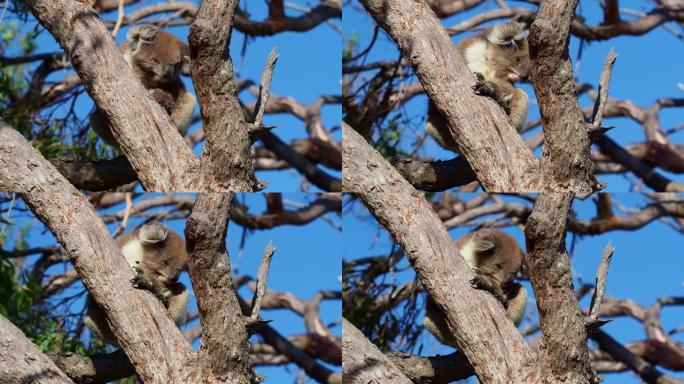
[
  {"x": 224, "y": 352},
  {"x": 23, "y": 362},
  {"x": 482, "y": 130},
  {"x": 566, "y": 161},
  {"x": 144, "y": 131},
  {"x": 227, "y": 149},
  {"x": 98, "y": 175},
  {"x": 435, "y": 176},
  {"x": 95, "y": 369},
  {"x": 138, "y": 319},
  {"x": 565, "y": 355},
  {"x": 363, "y": 362},
  {"x": 477, "y": 320}
]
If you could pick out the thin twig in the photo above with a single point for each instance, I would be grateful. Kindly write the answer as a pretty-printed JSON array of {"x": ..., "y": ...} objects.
[
  {"x": 119, "y": 19},
  {"x": 604, "y": 81},
  {"x": 261, "y": 281},
  {"x": 265, "y": 88},
  {"x": 126, "y": 215},
  {"x": 601, "y": 277}
]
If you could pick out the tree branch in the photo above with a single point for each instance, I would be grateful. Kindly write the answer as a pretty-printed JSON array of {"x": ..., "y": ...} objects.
[
  {"x": 566, "y": 160},
  {"x": 477, "y": 320},
  {"x": 142, "y": 128},
  {"x": 564, "y": 352},
  {"x": 482, "y": 130},
  {"x": 139, "y": 321},
  {"x": 224, "y": 352},
  {"x": 23, "y": 362},
  {"x": 227, "y": 149}
]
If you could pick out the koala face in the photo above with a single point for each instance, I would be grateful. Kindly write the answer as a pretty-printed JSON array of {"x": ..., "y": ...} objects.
[{"x": 156, "y": 55}]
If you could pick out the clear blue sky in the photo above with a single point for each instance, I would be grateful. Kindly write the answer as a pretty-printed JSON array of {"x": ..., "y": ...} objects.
[
  {"x": 645, "y": 266},
  {"x": 308, "y": 67},
  {"x": 648, "y": 68},
  {"x": 307, "y": 260}
]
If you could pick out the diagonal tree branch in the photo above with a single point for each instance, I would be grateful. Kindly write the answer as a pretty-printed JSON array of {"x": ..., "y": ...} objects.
[
  {"x": 144, "y": 131},
  {"x": 139, "y": 321},
  {"x": 482, "y": 329},
  {"x": 482, "y": 130}
]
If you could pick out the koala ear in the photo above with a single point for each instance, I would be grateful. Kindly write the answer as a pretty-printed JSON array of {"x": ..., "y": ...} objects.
[{"x": 143, "y": 34}]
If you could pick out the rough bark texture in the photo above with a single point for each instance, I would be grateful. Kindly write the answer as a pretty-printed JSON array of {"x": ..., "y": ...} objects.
[
  {"x": 142, "y": 327},
  {"x": 485, "y": 334},
  {"x": 98, "y": 175},
  {"x": 566, "y": 161},
  {"x": 482, "y": 130},
  {"x": 95, "y": 369},
  {"x": 363, "y": 362},
  {"x": 144, "y": 131},
  {"x": 22, "y": 362},
  {"x": 224, "y": 353},
  {"x": 436, "y": 176},
  {"x": 433, "y": 370},
  {"x": 564, "y": 351},
  {"x": 227, "y": 149}
]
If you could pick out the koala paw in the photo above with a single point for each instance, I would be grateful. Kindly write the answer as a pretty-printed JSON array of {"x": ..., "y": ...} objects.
[{"x": 140, "y": 282}]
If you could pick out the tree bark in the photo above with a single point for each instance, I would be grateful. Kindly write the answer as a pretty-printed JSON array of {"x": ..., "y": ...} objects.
[
  {"x": 564, "y": 353},
  {"x": 142, "y": 128},
  {"x": 224, "y": 352},
  {"x": 485, "y": 334},
  {"x": 22, "y": 362},
  {"x": 363, "y": 362},
  {"x": 139, "y": 321},
  {"x": 482, "y": 130},
  {"x": 227, "y": 150},
  {"x": 566, "y": 161}
]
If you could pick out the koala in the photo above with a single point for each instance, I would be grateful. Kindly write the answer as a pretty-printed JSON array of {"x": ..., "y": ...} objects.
[
  {"x": 498, "y": 58},
  {"x": 495, "y": 258},
  {"x": 157, "y": 58},
  {"x": 158, "y": 256}
]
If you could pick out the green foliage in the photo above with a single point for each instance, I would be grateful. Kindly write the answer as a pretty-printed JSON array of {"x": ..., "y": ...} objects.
[
  {"x": 349, "y": 46},
  {"x": 390, "y": 138}
]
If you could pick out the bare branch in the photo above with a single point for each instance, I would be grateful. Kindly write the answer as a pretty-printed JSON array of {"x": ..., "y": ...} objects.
[
  {"x": 601, "y": 277},
  {"x": 265, "y": 88},
  {"x": 262, "y": 275}
]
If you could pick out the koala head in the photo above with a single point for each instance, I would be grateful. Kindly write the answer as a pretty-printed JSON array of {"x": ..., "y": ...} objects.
[{"x": 157, "y": 56}]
